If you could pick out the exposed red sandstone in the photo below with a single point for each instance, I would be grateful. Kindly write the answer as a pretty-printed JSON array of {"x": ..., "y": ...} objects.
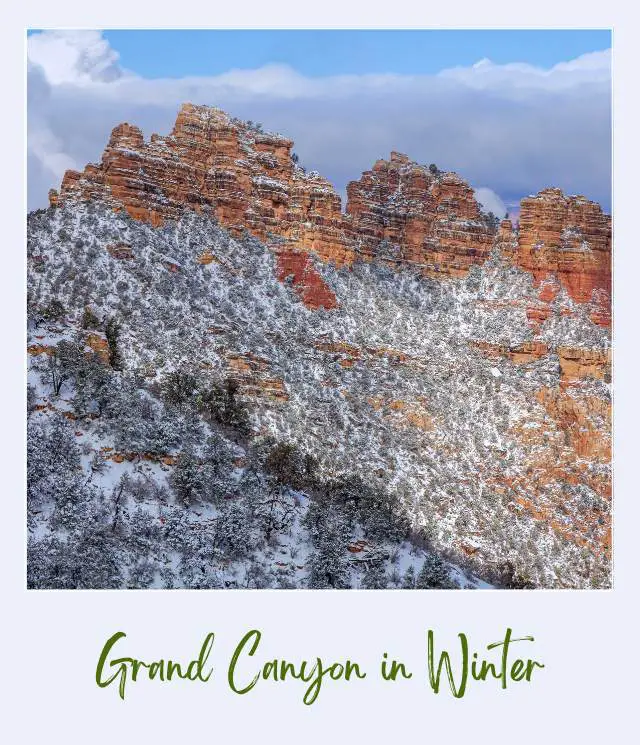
[
  {"x": 569, "y": 444},
  {"x": 120, "y": 251},
  {"x": 576, "y": 363},
  {"x": 306, "y": 279},
  {"x": 568, "y": 238},
  {"x": 405, "y": 213},
  {"x": 245, "y": 178},
  {"x": 98, "y": 343},
  {"x": 37, "y": 349},
  {"x": 398, "y": 212},
  {"x": 521, "y": 354},
  {"x": 252, "y": 373}
]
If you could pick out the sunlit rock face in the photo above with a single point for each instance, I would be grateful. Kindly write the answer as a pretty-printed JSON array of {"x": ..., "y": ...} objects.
[
  {"x": 405, "y": 213},
  {"x": 210, "y": 162},
  {"x": 398, "y": 213},
  {"x": 568, "y": 238}
]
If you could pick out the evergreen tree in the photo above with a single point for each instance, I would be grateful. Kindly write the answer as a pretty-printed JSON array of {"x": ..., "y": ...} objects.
[
  {"x": 187, "y": 478},
  {"x": 179, "y": 388},
  {"x": 87, "y": 559},
  {"x": 53, "y": 462},
  {"x": 375, "y": 577},
  {"x": 221, "y": 404},
  {"x": 31, "y": 399},
  {"x": 112, "y": 330},
  {"x": 409, "y": 579},
  {"x": 434, "y": 574},
  {"x": 89, "y": 319},
  {"x": 233, "y": 529},
  {"x": 329, "y": 566},
  {"x": 290, "y": 466},
  {"x": 63, "y": 362},
  {"x": 54, "y": 311}
]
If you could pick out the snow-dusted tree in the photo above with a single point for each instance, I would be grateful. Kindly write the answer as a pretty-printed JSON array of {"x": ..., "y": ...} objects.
[
  {"x": 94, "y": 384},
  {"x": 221, "y": 403},
  {"x": 54, "y": 311},
  {"x": 119, "y": 497},
  {"x": 53, "y": 462},
  {"x": 112, "y": 328},
  {"x": 187, "y": 479},
  {"x": 434, "y": 574},
  {"x": 513, "y": 578},
  {"x": 329, "y": 567},
  {"x": 257, "y": 577},
  {"x": 32, "y": 398},
  {"x": 234, "y": 528},
  {"x": 141, "y": 574},
  {"x": 197, "y": 572},
  {"x": 375, "y": 577},
  {"x": 144, "y": 535},
  {"x": 179, "y": 388},
  {"x": 409, "y": 578},
  {"x": 177, "y": 529},
  {"x": 272, "y": 505},
  {"x": 167, "y": 578},
  {"x": 53, "y": 369},
  {"x": 89, "y": 319},
  {"x": 290, "y": 466},
  {"x": 217, "y": 469},
  {"x": 85, "y": 560}
]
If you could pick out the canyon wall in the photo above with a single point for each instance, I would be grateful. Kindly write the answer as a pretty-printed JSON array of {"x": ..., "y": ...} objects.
[
  {"x": 399, "y": 212},
  {"x": 568, "y": 238}
]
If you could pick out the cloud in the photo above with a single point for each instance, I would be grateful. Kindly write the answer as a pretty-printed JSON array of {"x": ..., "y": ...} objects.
[
  {"x": 490, "y": 201},
  {"x": 508, "y": 129},
  {"x": 588, "y": 68},
  {"x": 75, "y": 57}
]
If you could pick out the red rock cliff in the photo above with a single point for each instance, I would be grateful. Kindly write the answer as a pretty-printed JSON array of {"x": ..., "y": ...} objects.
[
  {"x": 568, "y": 238},
  {"x": 398, "y": 212},
  {"x": 405, "y": 213},
  {"x": 246, "y": 177}
]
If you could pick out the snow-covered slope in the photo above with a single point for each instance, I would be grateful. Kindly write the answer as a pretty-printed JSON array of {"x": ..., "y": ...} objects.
[{"x": 390, "y": 396}]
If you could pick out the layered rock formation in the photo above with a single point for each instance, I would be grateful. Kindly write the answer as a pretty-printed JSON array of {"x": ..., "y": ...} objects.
[
  {"x": 568, "y": 238},
  {"x": 399, "y": 212},
  {"x": 245, "y": 177},
  {"x": 575, "y": 363},
  {"x": 403, "y": 212}
]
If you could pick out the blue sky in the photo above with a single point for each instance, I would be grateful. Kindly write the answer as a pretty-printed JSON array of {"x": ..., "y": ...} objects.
[
  {"x": 182, "y": 53},
  {"x": 512, "y": 112}
]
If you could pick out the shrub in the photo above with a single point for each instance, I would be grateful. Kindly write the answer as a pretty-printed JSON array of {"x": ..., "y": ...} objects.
[
  {"x": 89, "y": 319},
  {"x": 291, "y": 466},
  {"x": 179, "y": 387},
  {"x": 112, "y": 330},
  {"x": 220, "y": 403},
  {"x": 54, "y": 311}
]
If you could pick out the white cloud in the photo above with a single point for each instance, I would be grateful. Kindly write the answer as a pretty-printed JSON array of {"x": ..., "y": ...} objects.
[
  {"x": 513, "y": 129},
  {"x": 74, "y": 57},
  {"x": 588, "y": 68},
  {"x": 490, "y": 201}
]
